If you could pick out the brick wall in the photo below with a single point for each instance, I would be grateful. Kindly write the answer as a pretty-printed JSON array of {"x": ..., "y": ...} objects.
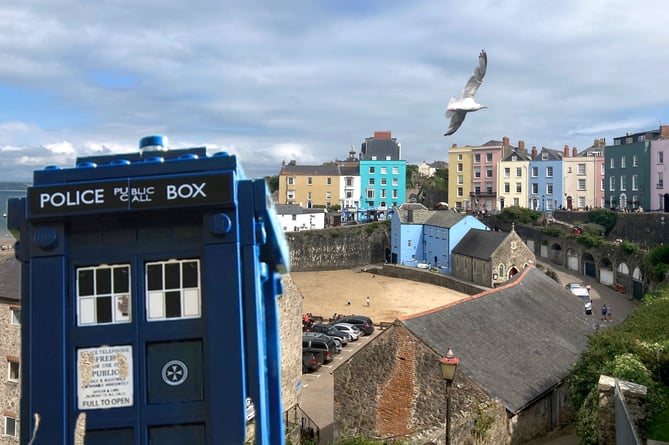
[{"x": 10, "y": 350}]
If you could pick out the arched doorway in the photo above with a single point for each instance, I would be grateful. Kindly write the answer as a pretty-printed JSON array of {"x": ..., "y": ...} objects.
[
  {"x": 589, "y": 266},
  {"x": 569, "y": 203},
  {"x": 606, "y": 272},
  {"x": 512, "y": 271}
]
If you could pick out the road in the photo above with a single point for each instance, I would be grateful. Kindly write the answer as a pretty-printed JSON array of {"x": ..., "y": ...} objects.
[{"x": 317, "y": 398}]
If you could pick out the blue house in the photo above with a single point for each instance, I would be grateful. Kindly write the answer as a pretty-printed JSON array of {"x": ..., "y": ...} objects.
[
  {"x": 545, "y": 191},
  {"x": 419, "y": 235}
]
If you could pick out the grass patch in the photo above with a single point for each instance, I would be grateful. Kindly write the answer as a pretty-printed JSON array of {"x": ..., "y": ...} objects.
[{"x": 659, "y": 428}]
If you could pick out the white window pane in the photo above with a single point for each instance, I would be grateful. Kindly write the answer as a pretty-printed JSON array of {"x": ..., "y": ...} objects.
[
  {"x": 122, "y": 307},
  {"x": 86, "y": 311},
  {"x": 191, "y": 303},
  {"x": 156, "y": 309}
]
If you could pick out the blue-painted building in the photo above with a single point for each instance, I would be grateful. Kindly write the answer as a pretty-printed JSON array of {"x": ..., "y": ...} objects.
[
  {"x": 545, "y": 191},
  {"x": 419, "y": 235},
  {"x": 382, "y": 176}
]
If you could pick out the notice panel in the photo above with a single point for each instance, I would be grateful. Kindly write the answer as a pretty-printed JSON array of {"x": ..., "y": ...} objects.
[{"x": 104, "y": 377}]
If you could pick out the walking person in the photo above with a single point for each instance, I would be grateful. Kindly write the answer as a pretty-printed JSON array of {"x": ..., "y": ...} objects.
[
  {"x": 604, "y": 311},
  {"x": 609, "y": 313},
  {"x": 367, "y": 301}
]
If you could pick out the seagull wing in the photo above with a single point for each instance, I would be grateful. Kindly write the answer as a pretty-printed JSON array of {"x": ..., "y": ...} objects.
[
  {"x": 457, "y": 118},
  {"x": 477, "y": 77}
]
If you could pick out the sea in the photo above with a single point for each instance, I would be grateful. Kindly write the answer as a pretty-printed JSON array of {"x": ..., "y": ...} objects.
[{"x": 9, "y": 190}]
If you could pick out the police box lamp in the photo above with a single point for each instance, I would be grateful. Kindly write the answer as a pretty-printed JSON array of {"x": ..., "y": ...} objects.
[
  {"x": 153, "y": 143},
  {"x": 448, "y": 365}
]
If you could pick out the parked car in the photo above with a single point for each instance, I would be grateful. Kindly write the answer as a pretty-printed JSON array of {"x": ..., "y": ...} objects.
[
  {"x": 350, "y": 329},
  {"x": 337, "y": 341},
  {"x": 583, "y": 293},
  {"x": 362, "y": 322},
  {"x": 330, "y": 330},
  {"x": 311, "y": 361},
  {"x": 326, "y": 345}
]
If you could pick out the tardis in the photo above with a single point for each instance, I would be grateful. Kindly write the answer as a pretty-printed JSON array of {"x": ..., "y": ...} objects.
[{"x": 149, "y": 284}]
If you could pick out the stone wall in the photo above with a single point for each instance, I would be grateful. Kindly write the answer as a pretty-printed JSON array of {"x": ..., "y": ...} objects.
[
  {"x": 427, "y": 276},
  {"x": 10, "y": 350},
  {"x": 339, "y": 247},
  {"x": 635, "y": 398}
]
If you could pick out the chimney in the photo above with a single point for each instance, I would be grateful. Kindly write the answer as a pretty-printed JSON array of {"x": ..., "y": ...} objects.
[
  {"x": 566, "y": 151},
  {"x": 454, "y": 145},
  {"x": 602, "y": 142},
  {"x": 534, "y": 152},
  {"x": 382, "y": 134},
  {"x": 574, "y": 152},
  {"x": 664, "y": 131},
  {"x": 505, "y": 142},
  {"x": 409, "y": 215},
  {"x": 521, "y": 146}
]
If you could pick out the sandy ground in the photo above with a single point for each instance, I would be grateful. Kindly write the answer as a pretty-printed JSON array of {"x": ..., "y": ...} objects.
[{"x": 327, "y": 292}]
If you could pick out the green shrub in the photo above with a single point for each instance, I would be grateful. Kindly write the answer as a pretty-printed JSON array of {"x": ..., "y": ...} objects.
[
  {"x": 552, "y": 231},
  {"x": 589, "y": 240},
  {"x": 629, "y": 247},
  {"x": 657, "y": 262},
  {"x": 603, "y": 217},
  {"x": 593, "y": 229},
  {"x": 519, "y": 215}
]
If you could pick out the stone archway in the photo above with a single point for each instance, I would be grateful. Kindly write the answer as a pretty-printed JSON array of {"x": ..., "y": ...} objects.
[
  {"x": 606, "y": 272},
  {"x": 556, "y": 254},
  {"x": 637, "y": 283},
  {"x": 513, "y": 270},
  {"x": 543, "y": 253},
  {"x": 589, "y": 265},
  {"x": 572, "y": 259}
]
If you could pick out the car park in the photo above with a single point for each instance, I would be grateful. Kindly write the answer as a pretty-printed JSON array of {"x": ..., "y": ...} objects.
[
  {"x": 330, "y": 331},
  {"x": 362, "y": 322},
  {"x": 350, "y": 329},
  {"x": 311, "y": 343}
]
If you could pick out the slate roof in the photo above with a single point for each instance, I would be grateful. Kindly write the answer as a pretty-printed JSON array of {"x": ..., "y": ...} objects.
[
  {"x": 552, "y": 155},
  {"x": 479, "y": 243},
  {"x": 517, "y": 341},
  {"x": 316, "y": 170},
  {"x": 294, "y": 209},
  {"x": 419, "y": 217},
  {"x": 10, "y": 286},
  {"x": 444, "y": 218}
]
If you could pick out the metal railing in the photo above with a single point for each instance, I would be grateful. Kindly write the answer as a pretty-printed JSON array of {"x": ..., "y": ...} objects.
[
  {"x": 626, "y": 432},
  {"x": 299, "y": 424}
]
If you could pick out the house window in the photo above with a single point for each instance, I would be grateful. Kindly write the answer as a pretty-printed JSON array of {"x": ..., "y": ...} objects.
[
  {"x": 507, "y": 187},
  {"x": 488, "y": 172},
  {"x": 477, "y": 158},
  {"x": 294, "y": 217},
  {"x": 602, "y": 169},
  {"x": 623, "y": 183},
  {"x": 10, "y": 426},
  {"x": 309, "y": 196},
  {"x": 372, "y": 170},
  {"x": 612, "y": 163},
  {"x": 501, "y": 271},
  {"x": 290, "y": 194},
  {"x": 395, "y": 194},
  {"x": 310, "y": 180},
  {"x": 612, "y": 183},
  {"x": 488, "y": 157},
  {"x": 535, "y": 188},
  {"x": 384, "y": 170},
  {"x": 581, "y": 169},
  {"x": 395, "y": 182},
  {"x": 581, "y": 184},
  {"x": 507, "y": 172},
  {"x": 660, "y": 180},
  {"x": 519, "y": 187},
  {"x": 660, "y": 157},
  {"x": 173, "y": 289},
  {"x": 349, "y": 194},
  {"x": 460, "y": 157},
  {"x": 519, "y": 172},
  {"x": 581, "y": 202},
  {"x": 635, "y": 182},
  {"x": 544, "y": 156},
  {"x": 396, "y": 171},
  {"x": 371, "y": 181},
  {"x": 13, "y": 369},
  {"x": 349, "y": 182},
  {"x": 383, "y": 193},
  {"x": 15, "y": 316},
  {"x": 370, "y": 193},
  {"x": 488, "y": 187},
  {"x": 623, "y": 162},
  {"x": 549, "y": 188},
  {"x": 516, "y": 201},
  {"x": 328, "y": 181},
  {"x": 549, "y": 172},
  {"x": 384, "y": 181},
  {"x": 602, "y": 185},
  {"x": 461, "y": 180},
  {"x": 535, "y": 172},
  {"x": 291, "y": 180},
  {"x": 459, "y": 167},
  {"x": 409, "y": 243},
  {"x": 477, "y": 172},
  {"x": 328, "y": 195},
  {"x": 477, "y": 189},
  {"x": 635, "y": 161},
  {"x": 629, "y": 140},
  {"x": 459, "y": 192},
  {"x": 103, "y": 295}
]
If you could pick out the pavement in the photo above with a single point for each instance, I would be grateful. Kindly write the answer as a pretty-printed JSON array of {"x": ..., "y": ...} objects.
[{"x": 317, "y": 399}]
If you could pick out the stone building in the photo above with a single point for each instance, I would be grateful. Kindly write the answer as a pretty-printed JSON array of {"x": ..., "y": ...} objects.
[
  {"x": 10, "y": 348},
  {"x": 490, "y": 258},
  {"x": 516, "y": 345}
]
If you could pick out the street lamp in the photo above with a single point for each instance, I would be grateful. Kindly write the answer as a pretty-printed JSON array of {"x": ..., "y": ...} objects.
[{"x": 448, "y": 365}]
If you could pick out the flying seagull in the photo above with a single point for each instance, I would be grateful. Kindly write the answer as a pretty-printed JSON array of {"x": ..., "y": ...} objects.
[{"x": 458, "y": 108}]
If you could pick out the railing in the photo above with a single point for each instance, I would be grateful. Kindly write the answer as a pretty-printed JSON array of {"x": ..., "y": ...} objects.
[
  {"x": 299, "y": 424},
  {"x": 626, "y": 432}
]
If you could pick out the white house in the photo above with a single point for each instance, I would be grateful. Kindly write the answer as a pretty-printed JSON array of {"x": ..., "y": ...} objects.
[{"x": 294, "y": 218}]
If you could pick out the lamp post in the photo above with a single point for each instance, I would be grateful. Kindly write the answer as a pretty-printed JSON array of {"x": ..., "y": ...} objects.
[{"x": 448, "y": 364}]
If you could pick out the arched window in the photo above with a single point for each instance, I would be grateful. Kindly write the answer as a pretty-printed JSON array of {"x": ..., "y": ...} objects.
[{"x": 501, "y": 271}]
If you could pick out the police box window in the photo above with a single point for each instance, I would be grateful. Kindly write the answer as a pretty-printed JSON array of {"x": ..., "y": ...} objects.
[
  {"x": 103, "y": 294},
  {"x": 173, "y": 289}
]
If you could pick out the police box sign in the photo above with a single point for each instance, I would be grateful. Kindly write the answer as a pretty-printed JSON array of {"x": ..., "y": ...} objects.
[{"x": 131, "y": 194}]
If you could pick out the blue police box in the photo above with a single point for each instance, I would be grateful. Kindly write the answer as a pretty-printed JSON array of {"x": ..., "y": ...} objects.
[{"x": 149, "y": 285}]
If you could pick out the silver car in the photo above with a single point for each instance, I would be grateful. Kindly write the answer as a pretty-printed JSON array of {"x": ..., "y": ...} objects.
[{"x": 350, "y": 329}]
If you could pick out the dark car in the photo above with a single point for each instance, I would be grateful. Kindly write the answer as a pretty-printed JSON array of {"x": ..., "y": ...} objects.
[
  {"x": 330, "y": 331},
  {"x": 311, "y": 361},
  {"x": 363, "y": 323},
  {"x": 325, "y": 345}
]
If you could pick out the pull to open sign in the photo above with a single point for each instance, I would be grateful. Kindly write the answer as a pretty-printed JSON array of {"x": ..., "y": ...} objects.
[{"x": 131, "y": 194}]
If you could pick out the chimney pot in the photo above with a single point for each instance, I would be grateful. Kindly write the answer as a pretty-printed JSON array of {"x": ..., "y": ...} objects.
[
  {"x": 521, "y": 145},
  {"x": 505, "y": 141},
  {"x": 454, "y": 145},
  {"x": 566, "y": 151},
  {"x": 574, "y": 152},
  {"x": 534, "y": 152}
]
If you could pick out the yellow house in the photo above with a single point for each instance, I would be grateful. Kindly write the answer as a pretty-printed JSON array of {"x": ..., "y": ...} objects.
[
  {"x": 309, "y": 185},
  {"x": 513, "y": 178},
  {"x": 460, "y": 177}
]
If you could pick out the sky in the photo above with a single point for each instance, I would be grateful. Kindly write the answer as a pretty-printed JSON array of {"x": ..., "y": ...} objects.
[{"x": 307, "y": 80}]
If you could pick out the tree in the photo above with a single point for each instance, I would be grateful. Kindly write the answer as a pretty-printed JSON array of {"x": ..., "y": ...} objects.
[
  {"x": 603, "y": 217},
  {"x": 272, "y": 183}
]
